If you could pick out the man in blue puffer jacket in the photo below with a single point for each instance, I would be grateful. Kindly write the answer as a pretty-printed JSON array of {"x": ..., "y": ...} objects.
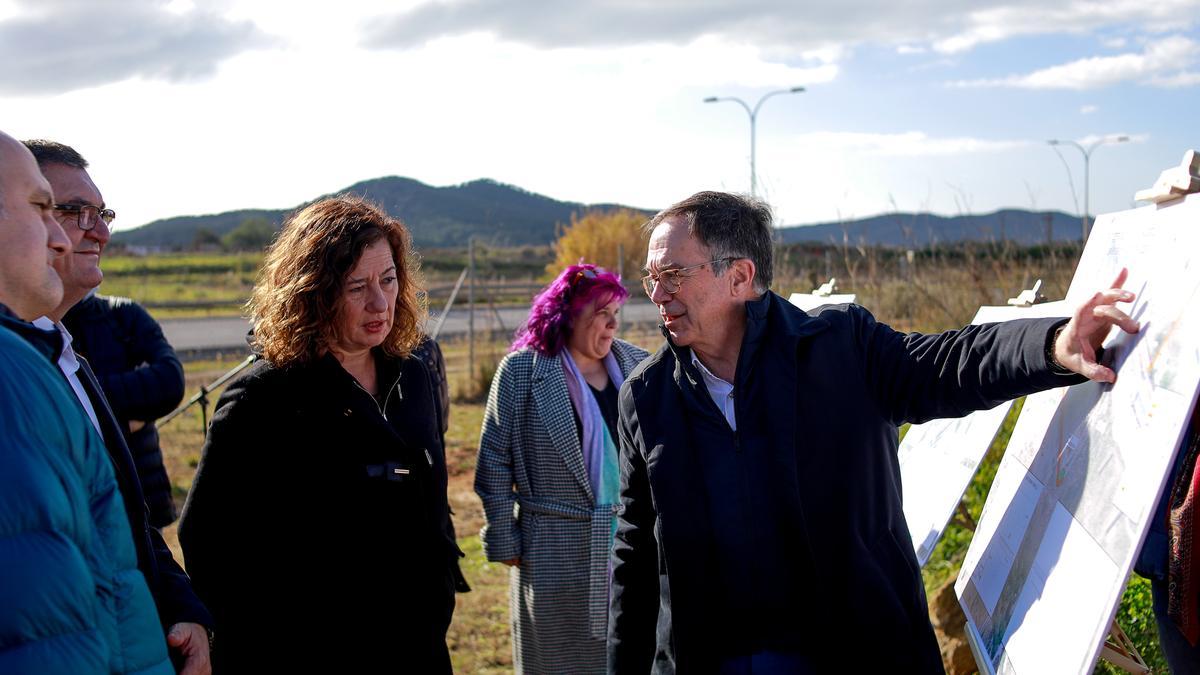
[{"x": 71, "y": 597}]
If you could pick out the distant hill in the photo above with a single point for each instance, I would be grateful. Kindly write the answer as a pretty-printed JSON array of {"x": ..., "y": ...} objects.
[
  {"x": 922, "y": 229},
  {"x": 509, "y": 216},
  {"x": 437, "y": 216}
]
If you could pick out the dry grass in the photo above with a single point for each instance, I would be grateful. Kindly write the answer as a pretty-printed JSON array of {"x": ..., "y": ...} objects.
[
  {"x": 935, "y": 288},
  {"x": 183, "y": 438},
  {"x": 478, "y": 636}
]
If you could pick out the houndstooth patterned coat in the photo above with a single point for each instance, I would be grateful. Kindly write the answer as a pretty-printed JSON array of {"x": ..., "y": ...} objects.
[{"x": 540, "y": 507}]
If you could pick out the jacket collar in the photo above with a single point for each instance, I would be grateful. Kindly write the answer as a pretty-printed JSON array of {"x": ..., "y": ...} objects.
[
  {"x": 330, "y": 370},
  {"x": 768, "y": 317},
  {"x": 87, "y": 308},
  {"x": 48, "y": 343},
  {"x": 787, "y": 319},
  {"x": 555, "y": 411},
  {"x": 627, "y": 357},
  {"x": 551, "y": 366}
]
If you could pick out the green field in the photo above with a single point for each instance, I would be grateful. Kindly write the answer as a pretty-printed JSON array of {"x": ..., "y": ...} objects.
[
  {"x": 175, "y": 285},
  {"x": 167, "y": 283}
]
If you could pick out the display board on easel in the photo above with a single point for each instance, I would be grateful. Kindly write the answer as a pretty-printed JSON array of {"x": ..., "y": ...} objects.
[
  {"x": 826, "y": 294},
  {"x": 938, "y": 459},
  {"x": 1074, "y": 494}
]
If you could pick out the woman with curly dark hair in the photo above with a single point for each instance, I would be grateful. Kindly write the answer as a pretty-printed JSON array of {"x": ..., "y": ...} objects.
[{"x": 317, "y": 529}]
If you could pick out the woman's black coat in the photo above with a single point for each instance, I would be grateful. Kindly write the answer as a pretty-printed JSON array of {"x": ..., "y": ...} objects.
[{"x": 317, "y": 529}]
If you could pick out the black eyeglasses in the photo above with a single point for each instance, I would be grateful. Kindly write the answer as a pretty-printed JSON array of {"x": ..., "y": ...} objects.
[
  {"x": 86, "y": 216},
  {"x": 671, "y": 280}
]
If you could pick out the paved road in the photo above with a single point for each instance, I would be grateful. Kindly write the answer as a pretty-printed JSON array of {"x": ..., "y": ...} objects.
[{"x": 229, "y": 333}]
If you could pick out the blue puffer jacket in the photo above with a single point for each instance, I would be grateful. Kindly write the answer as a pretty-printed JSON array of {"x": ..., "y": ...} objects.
[{"x": 71, "y": 597}]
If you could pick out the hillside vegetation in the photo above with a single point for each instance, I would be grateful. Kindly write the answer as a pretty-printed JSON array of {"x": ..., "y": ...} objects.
[
  {"x": 506, "y": 215},
  {"x": 437, "y": 216}
]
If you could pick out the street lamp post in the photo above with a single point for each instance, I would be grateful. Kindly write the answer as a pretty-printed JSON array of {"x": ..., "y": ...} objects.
[
  {"x": 753, "y": 113},
  {"x": 1087, "y": 159}
]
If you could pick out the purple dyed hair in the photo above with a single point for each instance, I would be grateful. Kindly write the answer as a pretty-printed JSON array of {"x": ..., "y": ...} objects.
[{"x": 557, "y": 306}]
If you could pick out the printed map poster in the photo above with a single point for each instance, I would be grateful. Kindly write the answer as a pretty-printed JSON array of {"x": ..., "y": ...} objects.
[
  {"x": 939, "y": 458},
  {"x": 1074, "y": 494}
]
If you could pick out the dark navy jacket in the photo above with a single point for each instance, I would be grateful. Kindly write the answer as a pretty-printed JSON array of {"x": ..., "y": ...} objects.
[
  {"x": 141, "y": 378},
  {"x": 789, "y": 534}
]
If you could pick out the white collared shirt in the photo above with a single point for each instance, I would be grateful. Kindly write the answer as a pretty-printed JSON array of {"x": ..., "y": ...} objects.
[
  {"x": 720, "y": 391},
  {"x": 69, "y": 365}
]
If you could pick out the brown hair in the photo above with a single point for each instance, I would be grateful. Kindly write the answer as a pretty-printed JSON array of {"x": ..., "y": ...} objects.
[
  {"x": 295, "y": 303},
  {"x": 731, "y": 226}
]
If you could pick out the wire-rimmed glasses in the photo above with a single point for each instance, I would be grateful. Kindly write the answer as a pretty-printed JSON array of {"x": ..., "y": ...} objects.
[
  {"x": 671, "y": 280},
  {"x": 86, "y": 216}
]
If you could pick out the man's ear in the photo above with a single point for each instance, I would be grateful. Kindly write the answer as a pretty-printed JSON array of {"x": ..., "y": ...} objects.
[{"x": 742, "y": 273}]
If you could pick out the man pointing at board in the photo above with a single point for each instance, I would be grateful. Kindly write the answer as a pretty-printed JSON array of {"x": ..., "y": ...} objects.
[{"x": 762, "y": 529}]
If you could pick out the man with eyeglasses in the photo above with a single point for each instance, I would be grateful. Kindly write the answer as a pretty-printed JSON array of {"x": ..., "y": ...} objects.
[
  {"x": 73, "y": 600},
  {"x": 138, "y": 370},
  {"x": 80, "y": 210},
  {"x": 761, "y": 528}
]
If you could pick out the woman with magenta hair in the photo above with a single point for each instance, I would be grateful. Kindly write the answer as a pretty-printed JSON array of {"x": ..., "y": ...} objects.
[{"x": 547, "y": 470}]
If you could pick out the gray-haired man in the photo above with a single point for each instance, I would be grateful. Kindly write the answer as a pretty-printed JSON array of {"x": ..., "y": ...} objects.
[{"x": 762, "y": 528}]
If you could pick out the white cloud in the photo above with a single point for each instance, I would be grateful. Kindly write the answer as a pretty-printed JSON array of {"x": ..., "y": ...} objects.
[
  {"x": 1088, "y": 109},
  {"x": 1160, "y": 64},
  {"x": 1111, "y": 138},
  {"x": 52, "y": 46},
  {"x": 180, "y": 6},
  {"x": 947, "y": 26},
  {"x": 1114, "y": 43},
  {"x": 1184, "y": 79},
  {"x": 1002, "y": 21},
  {"x": 177, "y": 40},
  {"x": 907, "y": 144}
]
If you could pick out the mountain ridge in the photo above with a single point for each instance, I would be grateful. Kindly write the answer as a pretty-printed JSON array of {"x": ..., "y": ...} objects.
[
  {"x": 924, "y": 229},
  {"x": 508, "y": 215},
  {"x": 436, "y": 216}
]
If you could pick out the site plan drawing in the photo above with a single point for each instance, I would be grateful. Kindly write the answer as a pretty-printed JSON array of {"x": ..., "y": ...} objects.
[
  {"x": 1073, "y": 496},
  {"x": 939, "y": 458}
]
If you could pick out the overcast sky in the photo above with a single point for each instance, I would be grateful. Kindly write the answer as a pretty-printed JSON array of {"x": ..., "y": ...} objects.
[{"x": 191, "y": 107}]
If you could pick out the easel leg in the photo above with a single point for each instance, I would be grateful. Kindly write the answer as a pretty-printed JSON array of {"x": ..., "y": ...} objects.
[{"x": 1118, "y": 650}]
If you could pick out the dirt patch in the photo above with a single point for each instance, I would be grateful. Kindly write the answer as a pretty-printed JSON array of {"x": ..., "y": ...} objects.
[{"x": 468, "y": 510}]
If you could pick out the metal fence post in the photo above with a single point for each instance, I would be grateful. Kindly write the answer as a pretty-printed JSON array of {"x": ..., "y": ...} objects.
[
  {"x": 620, "y": 275},
  {"x": 437, "y": 329},
  {"x": 471, "y": 309}
]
